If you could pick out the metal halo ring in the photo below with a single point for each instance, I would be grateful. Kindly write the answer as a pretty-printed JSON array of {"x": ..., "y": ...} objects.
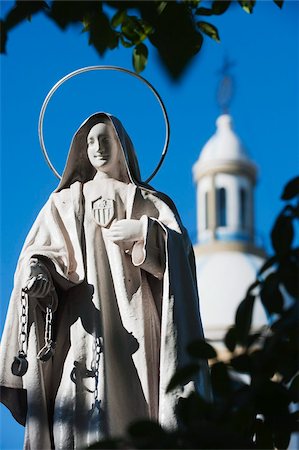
[{"x": 92, "y": 68}]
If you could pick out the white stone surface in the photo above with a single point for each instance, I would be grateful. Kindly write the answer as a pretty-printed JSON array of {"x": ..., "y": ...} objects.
[
  {"x": 223, "y": 279},
  {"x": 224, "y": 144}
]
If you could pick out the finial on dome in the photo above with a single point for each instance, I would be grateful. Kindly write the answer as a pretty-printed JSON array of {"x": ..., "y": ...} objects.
[
  {"x": 226, "y": 86},
  {"x": 224, "y": 121}
]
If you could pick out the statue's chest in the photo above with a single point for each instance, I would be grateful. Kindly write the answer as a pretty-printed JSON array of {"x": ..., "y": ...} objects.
[{"x": 105, "y": 203}]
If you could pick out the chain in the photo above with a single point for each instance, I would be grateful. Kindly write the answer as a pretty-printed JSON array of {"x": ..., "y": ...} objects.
[
  {"x": 95, "y": 364},
  {"x": 24, "y": 324},
  {"x": 48, "y": 327},
  {"x": 48, "y": 350}
]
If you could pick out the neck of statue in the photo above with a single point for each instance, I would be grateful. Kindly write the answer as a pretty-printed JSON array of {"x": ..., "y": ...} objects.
[{"x": 101, "y": 176}]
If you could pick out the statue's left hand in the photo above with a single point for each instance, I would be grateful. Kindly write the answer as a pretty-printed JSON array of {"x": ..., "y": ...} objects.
[{"x": 126, "y": 230}]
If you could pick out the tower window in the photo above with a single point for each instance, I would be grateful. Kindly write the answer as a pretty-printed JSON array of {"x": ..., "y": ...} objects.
[
  {"x": 221, "y": 202},
  {"x": 243, "y": 207},
  {"x": 206, "y": 200}
]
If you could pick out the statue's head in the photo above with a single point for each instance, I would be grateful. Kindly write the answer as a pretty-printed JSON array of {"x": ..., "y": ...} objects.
[
  {"x": 101, "y": 144},
  {"x": 103, "y": 149}
]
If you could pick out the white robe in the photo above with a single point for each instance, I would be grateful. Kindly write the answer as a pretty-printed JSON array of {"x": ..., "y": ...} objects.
[{"x": 140, "y": 304}]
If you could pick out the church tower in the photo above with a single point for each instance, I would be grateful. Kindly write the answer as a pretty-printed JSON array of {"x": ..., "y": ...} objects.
[
  {"x": 227, "y": 256},
  {"x": 225, "y": 179}
]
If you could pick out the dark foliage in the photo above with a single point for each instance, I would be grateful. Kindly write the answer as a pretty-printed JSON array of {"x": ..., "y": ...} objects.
[{"x": 172, "y": 27}]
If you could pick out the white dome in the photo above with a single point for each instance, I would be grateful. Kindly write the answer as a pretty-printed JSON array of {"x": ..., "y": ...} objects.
[
  {"x": 223, "y": 279},
  {"x": 224, "y": 144}
]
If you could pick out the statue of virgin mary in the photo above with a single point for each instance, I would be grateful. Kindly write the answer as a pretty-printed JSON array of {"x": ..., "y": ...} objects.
[{"x": 109, "y": 258}]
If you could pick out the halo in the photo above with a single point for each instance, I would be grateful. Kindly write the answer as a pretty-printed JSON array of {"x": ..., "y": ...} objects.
[{"x": 89, "y": 69}]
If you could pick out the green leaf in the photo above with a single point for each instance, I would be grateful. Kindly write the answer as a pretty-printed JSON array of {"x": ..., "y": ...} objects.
[
  {"x": 291, "y": 189},
  {"x": 219, "y": 7},
  {"x": 161, "y": 7},
  {"x": 132, "y": 29},
  {"x": 192, "y": 3},
  {"x": 85, "y": 28},
  {"x": 125, "y": 43},
  {"x": 252, "y": 338},
  {"x": 262, "y": 363},
  {"x": 282, "y": 234},
  {"x": 147, "y": 28},
  {"x": 65, "y": 13},
  {"x": 183, "y": 376},
  {"x": 271, "y": 398},
  {"x": 241, "y": 363},
  {"x": 136, "y": 30},
  {"x": 271, "y": 296},
  {"x": 288, "y": 272},
  {"x": 288, "y": 321},
  {"x": 269, "y": 263},
  {"x": 294, "y": 422},
  {"x": 243, "y": 318},
  {"x": 22, "y": 10},
  {"x": 3, "y": 34},
  {"x": 190, "y": 410},
  {"x": 230, "y": 339},
  {"x": 176, "y": 36},
  {"x": 296, "y": 211},
  {"x": 272, "y": 401},
  {"x": 204, "y": 12},
  {"x": 263, "y": 435},
  {"x": 285, "y": 356},
  {"x": 209, "y": 29},
  {"x": 294, "y": 389},
  {"x": 220, "y": 379},
  {"x": 118, "y": 18},
  {"x": 201, "y": 349},
  {"x": 281, "y": 438},
  {"x": 101, "y": 35},
  {"x": 252, "y": 287},
  {"x": 140, "y": 55},
  {"x": 247, "y": 5},
  {"x": 279, "y": 3}
]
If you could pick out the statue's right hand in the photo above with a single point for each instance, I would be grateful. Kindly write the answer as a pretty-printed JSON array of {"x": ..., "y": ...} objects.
[
  {"x": 39, "y": 283},
  {"x": 39, "y": 286}
]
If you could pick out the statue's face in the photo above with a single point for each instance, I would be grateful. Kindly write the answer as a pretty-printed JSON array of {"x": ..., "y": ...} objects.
[{"x": 103, "y": 148}]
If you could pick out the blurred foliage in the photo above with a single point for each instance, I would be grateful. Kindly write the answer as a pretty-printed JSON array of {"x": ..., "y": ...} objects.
[
  {"x": 256, "y": 385},
  {"x": 172, "y": 27}
]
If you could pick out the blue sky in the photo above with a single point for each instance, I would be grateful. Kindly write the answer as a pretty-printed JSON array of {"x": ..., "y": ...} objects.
[{"x": 265, "y": 109}]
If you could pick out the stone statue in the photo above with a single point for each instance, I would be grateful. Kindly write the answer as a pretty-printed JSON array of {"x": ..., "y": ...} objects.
[{"x": 104, "y": 303}]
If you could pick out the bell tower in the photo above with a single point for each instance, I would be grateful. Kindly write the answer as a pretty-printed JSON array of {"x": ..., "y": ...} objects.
[
  {"x": 225, "y": 178},
  {"x": 226, "y": 253}
]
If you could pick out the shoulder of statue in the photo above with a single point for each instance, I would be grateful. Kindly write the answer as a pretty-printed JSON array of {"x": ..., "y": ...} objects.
[
  {"x": 161, "y": 198},
  {"x": 68, "y": 196}
]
